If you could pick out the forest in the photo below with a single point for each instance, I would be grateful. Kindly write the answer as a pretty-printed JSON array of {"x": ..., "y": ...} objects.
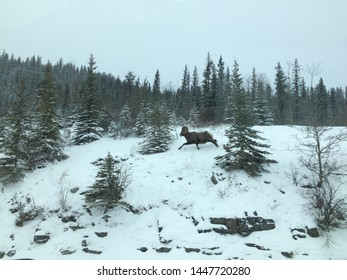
[{"x": 39, "y": 101}]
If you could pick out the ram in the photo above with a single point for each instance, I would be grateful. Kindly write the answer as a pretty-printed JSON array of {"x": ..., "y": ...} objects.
[{"x": 196, "y": 137}]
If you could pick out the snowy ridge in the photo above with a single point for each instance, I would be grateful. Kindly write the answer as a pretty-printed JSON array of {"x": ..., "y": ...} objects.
[{"x": 174, "y": 199}]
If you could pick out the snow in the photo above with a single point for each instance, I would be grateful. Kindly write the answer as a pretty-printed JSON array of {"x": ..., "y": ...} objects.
[{"x": 171, "y": 190}]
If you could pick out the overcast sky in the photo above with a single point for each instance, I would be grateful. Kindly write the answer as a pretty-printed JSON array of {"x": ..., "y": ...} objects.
[{"x": 145, "y": 35}]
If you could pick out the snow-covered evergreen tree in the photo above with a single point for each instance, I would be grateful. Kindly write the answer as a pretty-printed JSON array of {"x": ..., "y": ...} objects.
[
  {"x": 142, "y": 121},
  {"x": 113, "y": 130},
  {"x": 111, "y": 182},
  {"x": 47, "y": 141},
  {"x": 125, "y": 122},
  {"x": 13, "y": 163},
  {"x": 262, "y": 111},
  {"x": 194, "y": 116},
  {"x": 243, "y": 150},
  {"x": 158, "y": 132},
  {"x": 86, "y": 129}
]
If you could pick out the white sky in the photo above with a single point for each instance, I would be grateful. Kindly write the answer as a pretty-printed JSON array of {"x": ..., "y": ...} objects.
[{"x": 145, "y": 35}]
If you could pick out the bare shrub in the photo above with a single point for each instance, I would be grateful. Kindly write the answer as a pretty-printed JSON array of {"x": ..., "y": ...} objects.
[
  {"x": 319, "y": 154},
  {"x": 25, "y": 207}
]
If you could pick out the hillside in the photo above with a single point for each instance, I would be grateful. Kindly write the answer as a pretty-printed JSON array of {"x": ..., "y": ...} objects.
[{"x": 176, "y": 211}]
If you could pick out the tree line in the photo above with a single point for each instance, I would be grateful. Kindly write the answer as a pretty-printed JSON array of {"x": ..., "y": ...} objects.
[
  {"x": 201, "y": 99},
  {"x": 40, "y": 101}
]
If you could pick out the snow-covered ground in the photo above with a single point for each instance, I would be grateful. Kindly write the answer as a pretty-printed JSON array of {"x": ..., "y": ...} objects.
[{"x": 176, "y": 199}]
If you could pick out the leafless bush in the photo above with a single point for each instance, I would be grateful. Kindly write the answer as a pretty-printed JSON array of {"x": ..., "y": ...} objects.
[
  {"x": 25, "y": 207},
  {"x": 319, "y": 154}
]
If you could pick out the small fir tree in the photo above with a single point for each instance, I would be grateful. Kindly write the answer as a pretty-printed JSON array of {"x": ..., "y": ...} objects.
[
  {"x": 86, "y": 128},
  {"x": 142, "y": 121},
  {"x": 113, "y": 130},
  {"x": 243, "y": 150},
  {"x": 111, "y": 181},
  {"x": 125, "y": 122},
  {"x": 158, "y": 133}
]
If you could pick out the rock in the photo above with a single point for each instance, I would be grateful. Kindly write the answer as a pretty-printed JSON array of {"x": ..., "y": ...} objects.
[
  {"x": 2, "y": 254},
  {"x": 41, "y": 239},
  {"x": 86, "y": 250},
  {"x": 67, "y": 219},
  {"x": 218, "y": 221},
  {"x": 313, "y": 232},
  {"x": 242, "y": 226},
  {"x": 214, "y": 180},
  {"x": 257, "y": 246},
  {"x": 288, "y": 255},
  {"x": 74, "y": 190},
  {"x": 75, "y": 227},
  {"x": 101, "y": 234},
  {"x": 67, "y": 251},
  {"x": 11, "y": 253},
  {"x": 163, "y": 250},
  {"x": 143, "y": 249},
  {"x": 189, "y": 250}
]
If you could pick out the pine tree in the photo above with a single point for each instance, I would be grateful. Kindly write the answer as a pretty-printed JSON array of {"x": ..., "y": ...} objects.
[
  {"x": 13, "y": 164},
  {"x": 113, "y": 130},
  {"x": 125, "y": 122},
  {"x": 142, "y": 121},
  {"x": 208, "y": 102},
  {"x": 111, "y": 181},
  {"x": 158, "y": 132},
  {"x": 195, "y": 89},
  {"x": 220, "y": 92},
  {"x": 280, "y": 82},
  {"x": 86, "y": 128},
  {"x": 48, "y": 144},
  {"x": 297, "y": 119},
  {"x": 261, "y": 109},
  {"x": 243, "y": 151}
]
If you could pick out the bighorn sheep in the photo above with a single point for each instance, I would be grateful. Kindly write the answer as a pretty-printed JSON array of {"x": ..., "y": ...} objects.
[{"x": 196, "y": 137}]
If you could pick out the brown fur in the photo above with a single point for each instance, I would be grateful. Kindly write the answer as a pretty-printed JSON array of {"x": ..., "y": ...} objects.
[{"x": 196, "y": 137}]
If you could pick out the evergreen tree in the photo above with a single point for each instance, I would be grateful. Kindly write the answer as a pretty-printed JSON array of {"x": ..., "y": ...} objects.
[
  {"x": 243, "y": 151},
  {"x": 158, "y": 132},
  {"x": 220, "y": 90},
  {"x": 113, "y": 130},
  {"x": 156, "y": 87},
  {"x": 125, "y": 122},
  {"x": 86, "y": 127},
  {"x": 297, "y": 118},
  {"x": 281, "y": 96},
  {"x": 111, "y": 182},
  {"x": 195, "y": 89},
  {"x": 142, "y": 121},
  {"x": 208, "y": 92},
  {"x": 48, "y": 144},
  {"x": 262, "y": 112},
  {"x": 13, "y": 164},
  {"x": 320, "y": 103}
]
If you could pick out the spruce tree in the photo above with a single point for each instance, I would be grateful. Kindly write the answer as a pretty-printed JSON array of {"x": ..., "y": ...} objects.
[
  {"x": 208, "y": 98},
  {"x": 243, "y": 150},
  {"x": 111, "y": 182},
  {"x": 125, "y": 122},
  {"x": 48, "y": 144},
  {"x": 281, "y": 96},
  {"x": 13, "y": 164},
  {"x": 142, "y": 121},
  {"x": 86, "y": 128},
  {"x": 158, "y": 132}
]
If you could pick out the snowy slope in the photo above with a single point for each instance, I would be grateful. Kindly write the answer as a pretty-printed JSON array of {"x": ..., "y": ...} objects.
[{"x": 176, "y": 198}]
